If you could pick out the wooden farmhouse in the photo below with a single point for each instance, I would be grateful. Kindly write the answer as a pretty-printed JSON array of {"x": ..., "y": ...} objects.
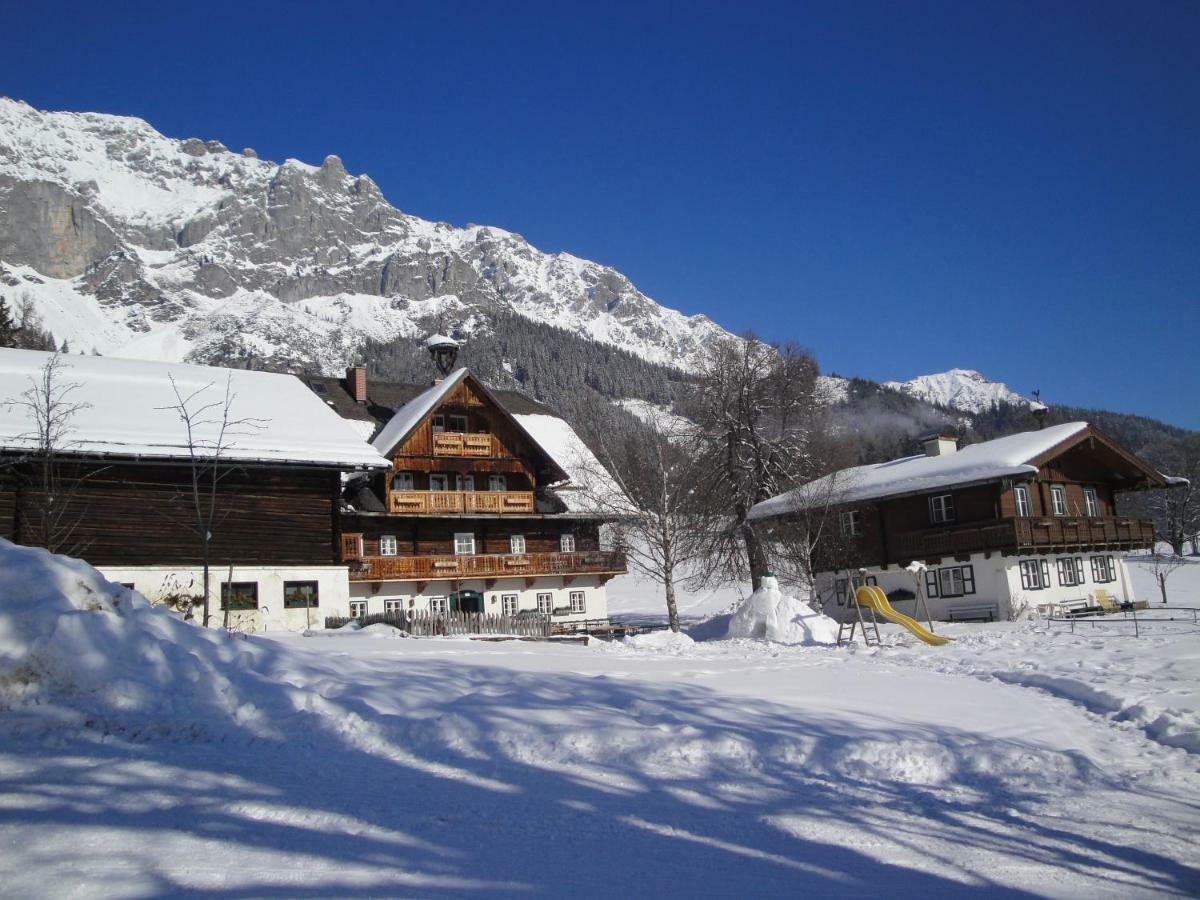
[
  {"x": 123, "y": 481},
  {"x": 1027, "y": 519},
  {"x": 488, "y": 504}
]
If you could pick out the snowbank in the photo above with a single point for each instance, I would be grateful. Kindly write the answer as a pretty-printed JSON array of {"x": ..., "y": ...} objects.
[
  {"x": 79, "y": 646},
  {"x": 768, "y": 615},
  {"x": 664, "y": 641}
]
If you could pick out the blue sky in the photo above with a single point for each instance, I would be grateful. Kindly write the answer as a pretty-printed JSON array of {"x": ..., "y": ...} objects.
[{"x": 901, "y": 187}]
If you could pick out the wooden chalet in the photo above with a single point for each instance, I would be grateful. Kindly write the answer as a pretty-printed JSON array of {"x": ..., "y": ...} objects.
[
  {"x": 124, "y": 479},
  {"x": 1028, "y": 518},
  {"x": 477, "y": 513}
]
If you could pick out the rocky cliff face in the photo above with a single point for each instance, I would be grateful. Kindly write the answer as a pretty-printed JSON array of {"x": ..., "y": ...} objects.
[{"x": 136, "y": 244}]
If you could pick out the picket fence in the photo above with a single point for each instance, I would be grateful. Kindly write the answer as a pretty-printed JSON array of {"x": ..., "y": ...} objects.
[{"x": 423, "y": 623}]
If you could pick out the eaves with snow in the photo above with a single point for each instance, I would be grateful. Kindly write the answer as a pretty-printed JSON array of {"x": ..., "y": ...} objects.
[{"x": 124, "y": 408}]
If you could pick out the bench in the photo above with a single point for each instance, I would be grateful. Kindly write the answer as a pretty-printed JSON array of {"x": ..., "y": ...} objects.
[
  {"x": 974, "y": 612},
  {"x": 1079, "y": 608}
]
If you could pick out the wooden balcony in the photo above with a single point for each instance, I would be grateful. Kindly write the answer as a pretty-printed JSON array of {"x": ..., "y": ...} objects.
[
  {"x": 434, "y": 568},
  {"x": 1024, "y": 535},
  {"x": 491, "y": 503},
  {"x": 453, "y": 443}
]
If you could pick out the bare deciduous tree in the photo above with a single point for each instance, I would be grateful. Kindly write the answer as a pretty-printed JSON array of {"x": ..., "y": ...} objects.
[
  {"x": 50, "y": 512},
  {"x": 209, "y": 428}
]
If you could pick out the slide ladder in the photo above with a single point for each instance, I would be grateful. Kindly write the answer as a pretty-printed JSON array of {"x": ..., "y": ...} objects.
[{"x": 874, "y": 599}]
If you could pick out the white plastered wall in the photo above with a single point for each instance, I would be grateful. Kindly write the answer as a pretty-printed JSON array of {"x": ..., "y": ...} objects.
[{"x": 595, "y": 594}]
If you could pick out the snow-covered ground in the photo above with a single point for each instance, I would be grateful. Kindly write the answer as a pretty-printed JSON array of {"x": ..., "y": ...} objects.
[{"x": 1019, "y": 760}]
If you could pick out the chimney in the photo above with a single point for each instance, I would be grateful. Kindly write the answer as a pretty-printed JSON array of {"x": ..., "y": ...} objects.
[
  {"x": 939, "y": 443},
  {"x": 356, "y": 383}
]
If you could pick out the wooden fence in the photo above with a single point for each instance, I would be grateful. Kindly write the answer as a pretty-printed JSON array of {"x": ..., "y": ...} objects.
[{"x": 423, "y": 623}]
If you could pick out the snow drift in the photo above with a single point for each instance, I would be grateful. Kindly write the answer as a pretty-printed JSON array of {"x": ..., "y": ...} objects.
[
  {"x": 78, "y": 646},
  {"x": 769, "y": 615}
]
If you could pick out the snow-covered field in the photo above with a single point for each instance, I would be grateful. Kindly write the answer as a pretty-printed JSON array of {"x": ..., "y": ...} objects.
[{"x": 142, "y": 757}]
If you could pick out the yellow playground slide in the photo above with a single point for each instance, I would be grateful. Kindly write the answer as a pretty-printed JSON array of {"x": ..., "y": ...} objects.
[{"x": 874, "y": 598}]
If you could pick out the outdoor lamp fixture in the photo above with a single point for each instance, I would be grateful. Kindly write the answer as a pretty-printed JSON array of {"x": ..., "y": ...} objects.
[{"x": 444, "y": 351}]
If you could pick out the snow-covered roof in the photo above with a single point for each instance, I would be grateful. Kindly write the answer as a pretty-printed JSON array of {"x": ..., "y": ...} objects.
[
  {"x": 591, "y": 489},
  {"x": 974, "y": 464},
  {"x": 410, "y": 415},
  {"x": 441, "y": 340},
  {"x": 126, "y": 411}
]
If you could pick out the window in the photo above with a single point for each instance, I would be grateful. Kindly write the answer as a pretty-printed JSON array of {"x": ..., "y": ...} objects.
[
  {"x": 941, "y": 509},
  {"x": 841, "y": 587},
  {"x": 1021, "y": 496},
  {"x": 566, "y": 543},
  {"x": 852, "y": 522},
  {"x": 457, "y": 423},
  {"x": 395, "y": 607},
  {"x": 300, "y": 594},
  {"x": 439, "y": 606},
  {"x": 358, "y": 609},
  {"x": 955, "y": 581},
  {"x": 403, "y": 481},
  {"x": 1103, "y": 570},
  {"x": 464, "y": 482},
  {"x": 1058, "y": 500},
  {"x": 516, "y": 543},
  {"x": 239, "y": 595},
  {"x": 508, "y": 604},
  {"x": 388, "y": 546},
  {"x": 497, "y": 483},
  {"x": 578, "y": 604},
  {"x": 464, "y": 543},
  {"x": 1035, "y": 574},
  {"x": 1070, "y": 571},
  {"x": 439, "y": 482},
  {"x": 1091, "y": 502},
  {"x": 439, "y": 424},
  {"x": 545, "y": 603}
]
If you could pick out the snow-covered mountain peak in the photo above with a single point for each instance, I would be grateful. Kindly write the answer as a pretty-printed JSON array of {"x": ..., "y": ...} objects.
[
  {"x": 962, "y": 389},
  {"x": 134, "y": 243}
]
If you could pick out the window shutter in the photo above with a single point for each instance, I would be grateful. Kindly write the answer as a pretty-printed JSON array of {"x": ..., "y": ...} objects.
[{"x": 931, "y": 583}]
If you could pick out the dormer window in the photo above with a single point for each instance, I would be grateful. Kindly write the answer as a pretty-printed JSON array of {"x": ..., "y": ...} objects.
[
  {"x": 1058, "y": 500},
  {"x": 941, "y": 509}
]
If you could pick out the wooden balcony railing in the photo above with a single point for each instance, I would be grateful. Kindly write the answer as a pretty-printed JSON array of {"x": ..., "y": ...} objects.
[
  {"x": 432, "y": 568},
  {"x": 1017, "y": 535},
  {"x": 452, "y": 443},
  {"x": 499, "y": 503}
]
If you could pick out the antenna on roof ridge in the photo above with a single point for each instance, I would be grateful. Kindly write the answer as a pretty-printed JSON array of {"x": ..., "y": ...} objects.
[{"x": 1039, "y": 409}]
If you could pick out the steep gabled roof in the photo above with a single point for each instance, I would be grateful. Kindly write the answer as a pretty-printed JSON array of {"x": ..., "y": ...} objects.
[
  {"x": 974, "y": 464},
  {"x": 126, "y": 412}
]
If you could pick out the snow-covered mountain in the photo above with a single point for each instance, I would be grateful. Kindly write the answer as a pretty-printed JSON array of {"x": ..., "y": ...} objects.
[
  {"x": 136, "y": 244},
  {"x": 962, "y": 389}
]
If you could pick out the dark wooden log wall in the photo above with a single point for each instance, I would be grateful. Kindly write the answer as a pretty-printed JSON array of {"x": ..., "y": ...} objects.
[{"x": 133, "y": 514}]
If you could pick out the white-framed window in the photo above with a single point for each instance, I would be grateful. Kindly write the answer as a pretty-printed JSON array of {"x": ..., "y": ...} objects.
[
  {"x": 1035, "y": 574},
  {"x": 545, "y": 603},
  {"x": 439, "y": 606},
  {"x": 1103, "y": 569},
  {"x": 438, "y": 423},
  {"x": 388, "y": 545},
  {"x": 566, "y": 543},
  {"x": 1058, "y": 500},
  {"x": 941, "y": 509},
  {"x": 439, "y": 482},
  {"x": 851, "y": 521},
  {"x": 516, "y": 544},
  {"x": 1021, "y": 497},
  {"x": 464, "y": 482},
  {"x": 393, "y": 606},
  {"x": 358, "y": 609},
  {"x": 464, "y": 543},
  {"x": 497, "y": 483},
  {"x": 578, "y": 602},
  {"x": 508, "y": 604},
  {"x": 1091, "y": 502},
  {"x": 403, "y": 481},
  {"x": 1070, "y": 571},
  {"x": 457, "y": 423},
  {"x": 956, "y": 581}
]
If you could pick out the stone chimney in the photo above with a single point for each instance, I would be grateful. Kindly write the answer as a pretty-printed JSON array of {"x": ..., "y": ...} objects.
[
  {"x": 939, "y": 443},
  {"x": 356, "y": 383}
]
